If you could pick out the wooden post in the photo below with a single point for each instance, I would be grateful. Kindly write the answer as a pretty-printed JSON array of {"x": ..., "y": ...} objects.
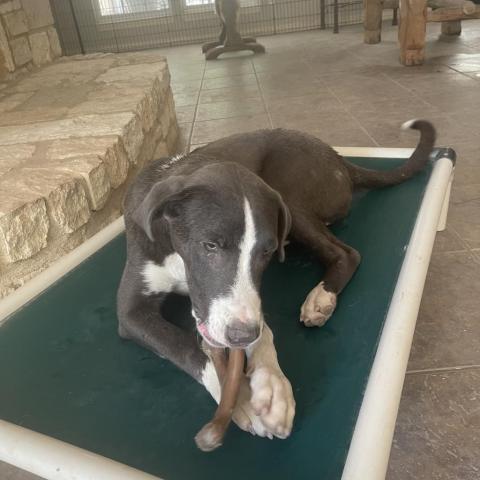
[
  {"x": 412, "y": 30},
  {"x": 372, "y": 21},
  {"x": 452, "y": 28}
]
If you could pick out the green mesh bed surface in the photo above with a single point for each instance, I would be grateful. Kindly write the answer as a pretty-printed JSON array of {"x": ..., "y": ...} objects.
[{"x": 64, "y": 371}]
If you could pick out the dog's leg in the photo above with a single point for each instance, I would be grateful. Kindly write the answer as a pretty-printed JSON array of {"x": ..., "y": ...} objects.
[
  {"x": 145, "y": 326},
  {"x": 140, "y": 320},
  {"x": 266, "y": 407},
  {"x": 340, "y": 261}
]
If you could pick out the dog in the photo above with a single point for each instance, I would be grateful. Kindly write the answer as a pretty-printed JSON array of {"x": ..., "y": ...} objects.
[{"x": 208, "y": 223}]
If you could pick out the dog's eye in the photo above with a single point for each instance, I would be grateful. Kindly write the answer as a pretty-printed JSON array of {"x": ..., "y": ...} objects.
[
  {"x": 210, "y": 246},
  {"x": 268, "y": 251}
]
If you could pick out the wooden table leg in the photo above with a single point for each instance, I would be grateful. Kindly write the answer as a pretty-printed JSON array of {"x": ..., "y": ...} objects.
[
  {"x": 395, "y": 17},
  {"x": 452, "y": 28},
  {"x": 372, "y": 21},
  {"x": 412, "y": 31}
]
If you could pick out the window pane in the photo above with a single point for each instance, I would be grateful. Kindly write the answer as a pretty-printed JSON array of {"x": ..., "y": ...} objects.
[
  {"x": 243, "y": 3},
  {"x": 192, "y": 3},
  {"x": 124, "y": 7}
]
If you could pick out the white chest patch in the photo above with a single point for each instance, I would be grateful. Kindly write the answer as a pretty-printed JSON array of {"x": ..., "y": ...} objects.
[
  {"x": 210, "y": 381},
  {"x": 167, "y": 277}
]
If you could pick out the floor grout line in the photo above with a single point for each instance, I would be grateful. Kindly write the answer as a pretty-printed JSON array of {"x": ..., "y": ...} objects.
[
  {"x": 474, "y": 253},
  {"x": 270, "y": 121},
  {"x": 351, "y": 115},
  {"x": 463, "y": 250},
  {"x": 465, "y": 74},
  {"x": 443, "y": 369},
  {"x": 187, "y": 147},
  {"x": 411, "y": 92},
  {"x": 357, "y": 56},
  {"x": 245, "y": 99},
  {"x": 230, "y": 116},
  {"x": 240, "y": 84},
  {"x": 459, "y": 237},
  {"x": 466, "y": 248}
]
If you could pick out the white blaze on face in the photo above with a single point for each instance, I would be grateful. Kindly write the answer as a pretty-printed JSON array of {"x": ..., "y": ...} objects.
[
  {"x": 243, "y": 287},
  {"x": 243, "y": 302}
]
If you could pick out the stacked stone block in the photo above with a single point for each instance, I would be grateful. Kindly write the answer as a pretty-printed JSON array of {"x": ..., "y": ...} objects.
[{"x": 27, "y": 35}]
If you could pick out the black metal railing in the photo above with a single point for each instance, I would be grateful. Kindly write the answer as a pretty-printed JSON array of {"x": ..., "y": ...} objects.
[{"x": 87, "y": 26}]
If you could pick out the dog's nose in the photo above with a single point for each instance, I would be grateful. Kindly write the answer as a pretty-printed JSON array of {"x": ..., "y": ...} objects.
[{"x": 240, "y": 334}]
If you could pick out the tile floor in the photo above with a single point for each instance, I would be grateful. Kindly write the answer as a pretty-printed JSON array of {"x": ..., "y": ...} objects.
[{"x": 352, "y": 94}]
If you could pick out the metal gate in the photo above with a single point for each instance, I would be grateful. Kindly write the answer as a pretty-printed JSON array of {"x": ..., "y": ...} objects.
[{"x": 87, "y": 26}]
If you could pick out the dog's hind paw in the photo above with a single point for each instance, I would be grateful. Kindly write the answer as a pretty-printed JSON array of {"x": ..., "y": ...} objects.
[{"x": 318, "y": 307}]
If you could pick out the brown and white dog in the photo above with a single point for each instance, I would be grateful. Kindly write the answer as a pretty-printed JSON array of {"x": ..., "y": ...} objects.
[{"x": 207, "y": 224}]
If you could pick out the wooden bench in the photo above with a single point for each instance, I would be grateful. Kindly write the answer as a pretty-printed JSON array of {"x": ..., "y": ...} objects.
[{"x": 414, "y": 16}]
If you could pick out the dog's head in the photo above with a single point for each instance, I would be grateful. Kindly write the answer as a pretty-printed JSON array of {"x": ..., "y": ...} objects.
[{"x": 225, "y": 223}]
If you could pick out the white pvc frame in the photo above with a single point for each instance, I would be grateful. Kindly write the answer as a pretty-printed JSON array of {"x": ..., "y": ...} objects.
[{"x": 370, "y": 447}]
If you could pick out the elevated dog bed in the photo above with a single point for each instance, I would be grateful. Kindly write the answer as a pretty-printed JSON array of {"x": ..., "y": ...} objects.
[{"x": 66, "y": 374}]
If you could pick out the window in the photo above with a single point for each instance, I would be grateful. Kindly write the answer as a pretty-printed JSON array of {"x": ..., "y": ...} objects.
[
  {"x": 124, "y": 12},
  {"x": 243, "y": 3},
  {"x": 131, "y": 7},
  {"x": 196, "y": 3}
]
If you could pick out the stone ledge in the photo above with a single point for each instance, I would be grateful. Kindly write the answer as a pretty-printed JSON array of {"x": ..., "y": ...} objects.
[{"x": 72, "y": 135}]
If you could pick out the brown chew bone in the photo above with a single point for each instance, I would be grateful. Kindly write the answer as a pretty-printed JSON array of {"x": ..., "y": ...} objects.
[{"x": 211, "y": 435}]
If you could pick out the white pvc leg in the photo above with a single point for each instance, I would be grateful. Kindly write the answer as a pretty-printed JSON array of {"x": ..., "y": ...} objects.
[
  {"x": 442, "y": 222},
  {"x": 372, "y": 439},
  {"x": 56, "y": 460}
]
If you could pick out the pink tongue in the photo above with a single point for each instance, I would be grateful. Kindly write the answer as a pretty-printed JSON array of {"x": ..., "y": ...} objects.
[{"x": 202, "y": 328}]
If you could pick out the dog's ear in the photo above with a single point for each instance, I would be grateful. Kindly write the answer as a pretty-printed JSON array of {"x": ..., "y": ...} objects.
[
  {"x": 155, "y": 201},
  {"x": 284, "y": 226}
]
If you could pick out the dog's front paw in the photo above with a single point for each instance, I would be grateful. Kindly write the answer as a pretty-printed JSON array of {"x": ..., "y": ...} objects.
[
  {"x": 272, "y": 400},
  {"x": 318, "y": 307},
  {"x": 267, "y": 407}
]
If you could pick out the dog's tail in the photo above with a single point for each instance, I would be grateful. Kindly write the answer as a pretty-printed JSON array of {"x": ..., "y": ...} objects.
[{"x": 365, "y": 178}]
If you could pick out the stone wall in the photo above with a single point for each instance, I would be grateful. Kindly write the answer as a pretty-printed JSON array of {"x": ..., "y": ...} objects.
[
  {"x": 27, "y": 35},
  {"x": 72, "y": 135}
]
